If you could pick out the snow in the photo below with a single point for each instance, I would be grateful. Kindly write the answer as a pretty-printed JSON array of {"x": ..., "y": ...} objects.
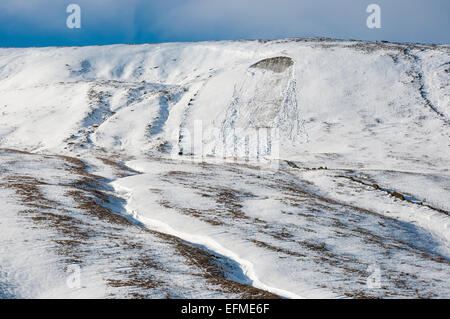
[
  {"x": 265, "y": 213},
  {"x": 296, "y": 173},
  {"x": 43, "y": 238}
]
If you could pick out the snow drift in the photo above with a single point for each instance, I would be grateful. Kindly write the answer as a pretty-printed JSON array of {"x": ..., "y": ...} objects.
[{"x": 359, "y": 132}]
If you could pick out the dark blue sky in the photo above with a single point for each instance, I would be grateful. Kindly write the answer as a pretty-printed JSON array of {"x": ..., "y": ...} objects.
[{"x": 43, "y": 22}]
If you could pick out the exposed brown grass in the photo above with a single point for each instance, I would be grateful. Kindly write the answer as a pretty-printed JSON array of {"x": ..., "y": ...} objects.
[{"x": 75, "y": 234}]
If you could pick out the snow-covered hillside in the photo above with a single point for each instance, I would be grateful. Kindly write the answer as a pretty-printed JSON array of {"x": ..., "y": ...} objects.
[{"x": 240, "y": 169}]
